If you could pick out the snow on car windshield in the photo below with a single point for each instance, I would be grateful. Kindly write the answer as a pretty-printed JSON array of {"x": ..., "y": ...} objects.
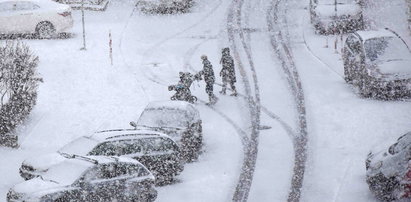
[
  {"x": 164, "y": 118},
  {"x": 386, "y": 49},
  {"x": 66, "y": 173},
  {"x": 80, "y": 146},
  {"x": 124, "y": 147}
]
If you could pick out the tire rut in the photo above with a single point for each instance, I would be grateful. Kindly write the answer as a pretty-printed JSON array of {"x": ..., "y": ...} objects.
[
  {"x": 282, "y": 50},
  {"x": 250, "y": 157}
]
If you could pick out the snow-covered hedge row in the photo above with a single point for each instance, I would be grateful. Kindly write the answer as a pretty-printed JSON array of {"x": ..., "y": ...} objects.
[{"x": 18, "y": 88}]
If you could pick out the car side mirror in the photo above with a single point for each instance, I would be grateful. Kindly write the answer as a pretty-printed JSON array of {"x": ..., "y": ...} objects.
[{"x": 134, "y": 124}]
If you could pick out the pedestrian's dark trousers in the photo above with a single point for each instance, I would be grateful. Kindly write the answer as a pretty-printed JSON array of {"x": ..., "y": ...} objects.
[
  {"x": 209, "y": 88},
  {"x": 225, "y": 81}
]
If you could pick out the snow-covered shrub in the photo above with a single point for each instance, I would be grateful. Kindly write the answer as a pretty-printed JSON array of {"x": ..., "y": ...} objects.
[{"x": 18, "y": 88}]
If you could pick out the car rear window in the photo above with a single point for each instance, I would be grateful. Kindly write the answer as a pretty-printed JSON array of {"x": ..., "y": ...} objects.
[{"x": 132, "y": 146}]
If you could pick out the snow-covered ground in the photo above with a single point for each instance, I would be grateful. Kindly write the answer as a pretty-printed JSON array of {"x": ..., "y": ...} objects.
[{"x": 82, "y": 92}]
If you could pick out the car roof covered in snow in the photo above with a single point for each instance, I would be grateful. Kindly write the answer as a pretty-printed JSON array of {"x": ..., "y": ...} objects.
[
  {"x": 180, "y": 105},
  {"x": 365, "y": 35},
  {"x": 170, "y": 104}
]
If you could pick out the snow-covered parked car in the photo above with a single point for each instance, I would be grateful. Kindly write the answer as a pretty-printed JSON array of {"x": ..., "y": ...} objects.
[
  {"x": 178, "y": 119},
  {"x": 91, "y": 178},
  {"x": 158, "y": 152},
  {"x": 379, "y": 63},
  {"x": 336, "y": 16},
  {"x": 164, "y": 6},
  {"x": 389, "y": 171},
  {"x": 45, "y": 18}
]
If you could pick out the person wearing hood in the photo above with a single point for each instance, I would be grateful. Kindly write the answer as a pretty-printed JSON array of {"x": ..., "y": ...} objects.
[
  {"x": 208, "y": 73},
  {"x": 227, "y": 72}
]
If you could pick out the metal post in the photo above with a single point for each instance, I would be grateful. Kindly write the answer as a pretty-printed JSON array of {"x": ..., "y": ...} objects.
[
  {"x": 336, "y": 44},
  {"x": 84, "y": 29}
]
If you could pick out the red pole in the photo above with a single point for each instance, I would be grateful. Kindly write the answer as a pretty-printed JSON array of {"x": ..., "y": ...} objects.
[{"x": 110, "y": 43}]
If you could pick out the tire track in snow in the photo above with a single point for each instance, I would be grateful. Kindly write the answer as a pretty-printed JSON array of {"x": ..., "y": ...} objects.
[
  {"x": 121, "y": 50},
  {"x": 250, "y": 157},
  {"x": 283, "y": 52}
]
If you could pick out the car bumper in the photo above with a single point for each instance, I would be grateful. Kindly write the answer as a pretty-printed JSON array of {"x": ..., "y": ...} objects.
[
  {"x": 333, "y": 26},
  {"x": 65, "y": 25},
  {"x": 156, "y": 5},
  {"x": 393, "y": 90},
  {"x": 382, "y": 187}
]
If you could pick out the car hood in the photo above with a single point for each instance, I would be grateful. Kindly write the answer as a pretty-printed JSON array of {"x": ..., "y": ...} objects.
[
  {"x": 43, "y": 162},
  {"x": 37, "y": 187},
  {"x": 396, "y": 69},
  {"x": 381, "y": 162}
]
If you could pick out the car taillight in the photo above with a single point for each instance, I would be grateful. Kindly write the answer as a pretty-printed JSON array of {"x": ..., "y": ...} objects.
[{"x": 65, "y": 14}]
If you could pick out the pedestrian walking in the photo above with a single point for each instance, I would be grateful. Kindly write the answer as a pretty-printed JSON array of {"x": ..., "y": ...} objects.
[
  {"x": 208, "y": 73},
  {"x": 227, "y": 72}
]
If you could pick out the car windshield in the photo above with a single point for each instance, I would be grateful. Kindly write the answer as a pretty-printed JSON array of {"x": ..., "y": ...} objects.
[
  {"x": 164, "y": 118},
  {"x": 124, "y": 147},
  {"x": 65, "y": 173},
  {"x": 80, "y": 146},
  {"x": 386, "y": 49}
]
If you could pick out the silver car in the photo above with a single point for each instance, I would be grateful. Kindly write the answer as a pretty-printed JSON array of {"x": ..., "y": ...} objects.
[
  {"x": 91, "y": 178},
  {"x": 389, "y": 171},
  {"x": 378, "y": 63},
  {"x": 178, "y": 119},
  {"x": 164, "y": 6},
  {"x": 336, "y": 16}
]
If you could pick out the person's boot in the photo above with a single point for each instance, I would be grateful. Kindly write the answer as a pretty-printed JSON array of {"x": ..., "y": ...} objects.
[
  {"x": 234, "y": 93},
  {"x": 222, "y": 91},
  {"x": 212, "y": 99}
]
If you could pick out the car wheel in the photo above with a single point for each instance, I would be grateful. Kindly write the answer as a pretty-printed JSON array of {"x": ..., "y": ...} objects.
[
  {"x": 364, "y": 89},
  {"x": 347, "y": 71},
  {"x": 45, "y": 30}
]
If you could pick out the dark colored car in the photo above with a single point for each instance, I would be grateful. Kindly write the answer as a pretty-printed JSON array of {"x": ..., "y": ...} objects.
[
  {"x": 158, "y": 152},
  {"x": 389, "y": 171},
  {"x": 336, "y": 16},
  {"x": 164, "y": 6},
  {"x": 378, "y": 63},
  {"x": 179, "y": 120},
  {"x": 92, "y": 178}
]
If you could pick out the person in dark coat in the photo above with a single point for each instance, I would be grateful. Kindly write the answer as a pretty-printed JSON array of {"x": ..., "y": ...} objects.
[
  {"x": 227, "y": 72},
  {"x": 208, "y": 73}
]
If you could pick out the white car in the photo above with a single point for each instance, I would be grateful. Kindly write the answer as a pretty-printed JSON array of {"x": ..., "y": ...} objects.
[
  {"x": 336, "y": 16},
  {"x": 45, "y": 18}
]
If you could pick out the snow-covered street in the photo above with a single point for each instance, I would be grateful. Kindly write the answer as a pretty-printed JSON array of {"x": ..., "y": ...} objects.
[{"x": 83, "y": 93}]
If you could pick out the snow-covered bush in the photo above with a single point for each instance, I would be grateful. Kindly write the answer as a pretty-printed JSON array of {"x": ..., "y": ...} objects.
[{"x": 18, "y": 88}]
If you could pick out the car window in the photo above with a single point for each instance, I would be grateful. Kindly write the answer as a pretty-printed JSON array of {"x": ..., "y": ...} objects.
[
  {"x": 135, "y": 170},
  {"x": 157, "y": 144},
  {"x": 104, "y": 171},
  {"x": 24, "y": 6},
  {"x": 386, "y": 49},
  {"x": 354, "y": 44},
  {"x": 7, "y": 6},
  {"x": 393, "y": 149},
  {"x": 164, "y": 118},
  {"x": 113, "y": 148}
]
